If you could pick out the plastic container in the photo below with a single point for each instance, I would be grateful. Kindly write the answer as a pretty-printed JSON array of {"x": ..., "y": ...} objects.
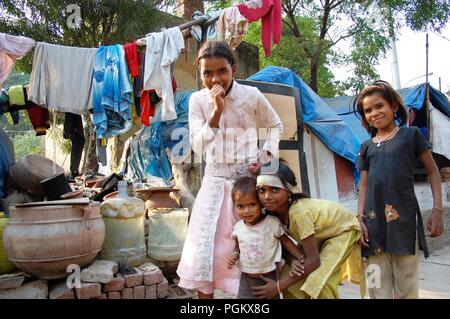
[
  {"x": 124, "y": 218},
  {"x": 166, "y": 233}
]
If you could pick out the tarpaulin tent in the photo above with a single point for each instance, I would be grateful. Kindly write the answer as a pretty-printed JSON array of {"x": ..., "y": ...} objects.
[
  {"x": 317, "y": 115},
  {"x": 414, "y": 98}
]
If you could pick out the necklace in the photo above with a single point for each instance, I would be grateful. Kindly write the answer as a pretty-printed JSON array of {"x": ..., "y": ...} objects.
[{"x": 378, "y": 140}]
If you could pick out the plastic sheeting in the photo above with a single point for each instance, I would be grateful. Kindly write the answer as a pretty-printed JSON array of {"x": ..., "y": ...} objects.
[
  {"x": 7, "y": 158},
  {"x": 147, "y": 150},
  {"x": 317, "y": 115}
]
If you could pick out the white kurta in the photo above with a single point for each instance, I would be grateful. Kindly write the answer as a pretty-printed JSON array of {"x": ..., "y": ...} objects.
[{"x": 228, "y": 150}]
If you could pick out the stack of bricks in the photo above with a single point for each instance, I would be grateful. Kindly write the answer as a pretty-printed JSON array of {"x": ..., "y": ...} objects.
[{"x": 103, "y": 281}]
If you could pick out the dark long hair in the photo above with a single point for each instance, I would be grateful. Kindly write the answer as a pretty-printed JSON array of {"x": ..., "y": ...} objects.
[
  {"x": 387, "y": 92},
  {"x": 286, "y": 175},
  {"x": 219, "y": 49}
]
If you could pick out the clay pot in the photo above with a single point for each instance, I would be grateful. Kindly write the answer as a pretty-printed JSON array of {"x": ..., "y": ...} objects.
[
  {"x": 158, "y": 197},
  {"x": 44, "y": 240},
  {"x": 29, "y": 171}
]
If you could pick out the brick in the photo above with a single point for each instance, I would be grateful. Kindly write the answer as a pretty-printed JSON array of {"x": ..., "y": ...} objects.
[
  {"x": 139, "y": 292},
  {"x": 102, "y": 296},
  {"x": 37, "y": 289},
  {"x": 135, "y": 279},
  {"x": 100, "y": 271},
  {"x": 127, "y": 293},
  {"x": 117, "y": 284},
  {"x": 61, "y": 291},
  {"x": 153, "y": 277},
  {"x": 162, "y": 289},
  {"x": 150, "y": 292},
  {"x": 88, "y": 290},
  {"x": 114, "y": 295}
]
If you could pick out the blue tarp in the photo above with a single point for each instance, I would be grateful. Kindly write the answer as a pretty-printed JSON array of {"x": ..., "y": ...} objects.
[
  {"x": 147, "y": 149},
  {"x": 7, "y": 158},
  {"x": 317, "y": 115},
  {"x": 414, "y": 97}
]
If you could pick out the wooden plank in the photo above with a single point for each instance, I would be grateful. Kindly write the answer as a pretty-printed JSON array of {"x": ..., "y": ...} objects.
[{"x": 75, "y": 201}]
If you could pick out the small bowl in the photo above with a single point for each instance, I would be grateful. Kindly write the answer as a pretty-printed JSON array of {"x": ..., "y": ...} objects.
[
  {"x": 110, "y": 196},
  {"x": 74, "y": 194}
]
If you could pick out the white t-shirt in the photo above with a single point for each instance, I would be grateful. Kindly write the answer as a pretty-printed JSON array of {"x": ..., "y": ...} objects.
[{"x": 259, "y": 245}]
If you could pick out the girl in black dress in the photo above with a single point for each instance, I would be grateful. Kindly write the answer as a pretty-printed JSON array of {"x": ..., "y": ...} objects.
[{"x": 387, "y": 206}]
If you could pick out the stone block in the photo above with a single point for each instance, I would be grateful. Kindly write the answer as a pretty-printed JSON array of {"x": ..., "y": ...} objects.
[
  {"x": 61, "y": 291},
  {"x": 136, "y": 279},
  {"x": 139, "y": 292},
  {"x": 100, "y": 271},
  {"x": 88, "y": 290},
  {"x": 127, "y": 293},
  {"x": 162, "y": 289},
  {"x": 10, "y": 281},
  {"x": 102, "y": 296},
  {"x": 150, "y": 292},
  {"x": 117, "y": 284},
  {"x": 37, "y": 289}
]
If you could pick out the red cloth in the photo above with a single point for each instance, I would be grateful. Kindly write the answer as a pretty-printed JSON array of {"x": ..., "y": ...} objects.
[
  {"x": 39, "y": 119},
  {"x": 270, "y": 15},
  {"x": 133, "y": 58},
  {"x": 148, "y": 101},
  {"x": 147, "y": 109}
]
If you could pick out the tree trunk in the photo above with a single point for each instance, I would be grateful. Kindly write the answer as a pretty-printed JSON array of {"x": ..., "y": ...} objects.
[
  {"x": 313, "y": 72},
  {"x": 117, "y": 148},
  {"x": 90, "y": 161}
]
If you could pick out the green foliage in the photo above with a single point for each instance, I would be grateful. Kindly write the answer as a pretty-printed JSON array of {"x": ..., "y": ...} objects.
[
  {"x": 103, "y": 22},
  {"x": 291, "y": 53},
  {"x": 313, "y": 31},
  {"x": 27, "y": 143}
]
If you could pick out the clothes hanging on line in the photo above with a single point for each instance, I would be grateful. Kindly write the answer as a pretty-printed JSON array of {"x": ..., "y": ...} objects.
[
  {"x": 149, "y": 100},
  {"x": 73, "y": 130},
  {"x": 269, "y": 11},
  {"x": 61, "y": 77},
  {"x": 5, "y": 107},
  {"x": 162, "y": 50},
  {"x": 232, "y": 27},
  {"x": 132, "y": 57},
  {"x": 39, "y": 118},
  {"x": 12, "y": 47},
  {"x": 112, "y": 92},
  {"x": 212, "y": 30}
]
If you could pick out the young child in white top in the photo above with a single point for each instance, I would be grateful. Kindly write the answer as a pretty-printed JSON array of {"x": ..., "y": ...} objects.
[{"x": 259, "y": 239}]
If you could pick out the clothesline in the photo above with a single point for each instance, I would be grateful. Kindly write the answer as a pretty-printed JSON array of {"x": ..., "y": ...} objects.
[{"x": 203, "y": 21}]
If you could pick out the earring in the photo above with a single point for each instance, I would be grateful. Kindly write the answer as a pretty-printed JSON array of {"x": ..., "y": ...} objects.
[{"x": 395, "y": 115}]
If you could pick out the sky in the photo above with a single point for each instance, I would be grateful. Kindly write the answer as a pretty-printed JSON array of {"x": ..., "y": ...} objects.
[{"x": 412, "y": 59}]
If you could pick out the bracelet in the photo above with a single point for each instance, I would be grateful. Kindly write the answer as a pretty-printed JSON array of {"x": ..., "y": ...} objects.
[
  {"x": 278, "y": 287},
  {"x": 440, "y": 209},
  {"x": 236, "y": 252}
]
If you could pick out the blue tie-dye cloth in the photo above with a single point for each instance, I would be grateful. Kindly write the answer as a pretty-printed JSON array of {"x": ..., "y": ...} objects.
[{"x": 112, "y": 92}]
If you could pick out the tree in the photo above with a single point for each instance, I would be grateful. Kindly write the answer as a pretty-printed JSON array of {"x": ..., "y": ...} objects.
[
  {"x": 367, "y": 25},
  {"x": 103, "y": 22}
]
